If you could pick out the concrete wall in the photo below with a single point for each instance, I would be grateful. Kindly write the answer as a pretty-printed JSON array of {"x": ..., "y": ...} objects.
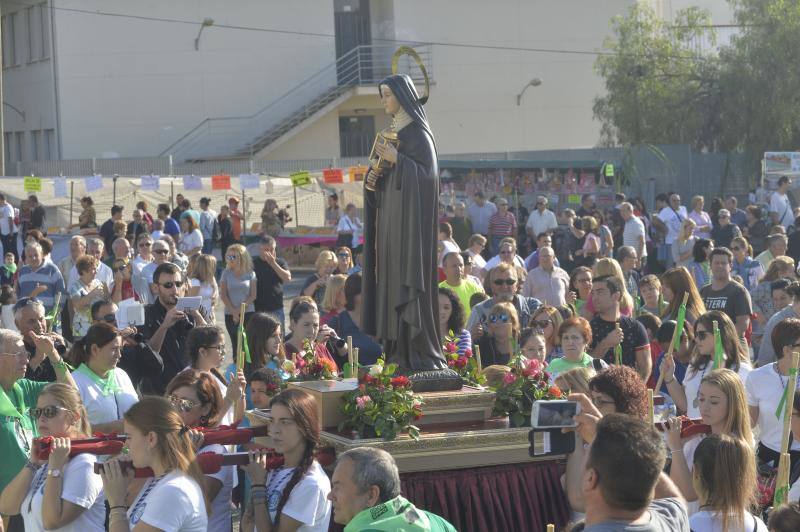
[
  {"x": 131, "y": 87},
  {"x": 473, "y": 105}
]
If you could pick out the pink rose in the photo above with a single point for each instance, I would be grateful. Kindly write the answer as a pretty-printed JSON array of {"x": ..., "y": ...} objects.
[
  {"x": 509, "y": 378},
  {"x": 362, "y": 401}
]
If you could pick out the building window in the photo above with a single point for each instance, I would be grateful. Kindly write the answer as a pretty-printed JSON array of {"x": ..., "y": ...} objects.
[
  {"x": 7, "y": 139},
  {"x": 34, "y": 16},
  {"x": 19, "y": 146},
  {"x": 8, "y": 41},
  {"x": 44, "y": 32},
  {"x": 36, "y": 145},
  {"x": 17, "y": 37},
  {"x": 50, "y": 149}
]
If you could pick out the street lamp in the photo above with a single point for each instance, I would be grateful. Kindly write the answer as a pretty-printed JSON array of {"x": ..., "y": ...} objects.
[{"x": 535, "y": 82}]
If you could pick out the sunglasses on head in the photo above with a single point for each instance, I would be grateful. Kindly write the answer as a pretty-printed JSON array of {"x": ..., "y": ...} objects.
[
  {"x": 507, "y": 282},
  {"x": 183, "y": 405},
  {"x": 49, "y": 411},
  {"x": 494, "y": 318},
  {"x": 170, "y": 284}
]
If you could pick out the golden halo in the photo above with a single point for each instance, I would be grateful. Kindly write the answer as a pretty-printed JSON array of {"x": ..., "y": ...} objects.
[{"x": 407, "y": 50}]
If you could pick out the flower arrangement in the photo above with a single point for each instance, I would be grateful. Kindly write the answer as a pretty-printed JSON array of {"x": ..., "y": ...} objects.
[
  {"x": 309, "y": 365},
  {"x": 275, "y": 384},
  {"x": 525, "y": 383},
  {"x": 463, "y": 364},
  {"x": 382, "y": 406}
]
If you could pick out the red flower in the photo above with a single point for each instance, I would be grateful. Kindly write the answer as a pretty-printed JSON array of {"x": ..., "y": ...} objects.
[
  {"x": 532, "y": 368},
  {"x": 468, "y": 353},
  {"x": 461, "y": 362},
  {"x": 451, "y": 347},
  {"x": 451, "y": 362},
  {"x": 400, "y": 382},
  {"x": 555, "y": 391},
  {"x": 362, "y": 388}
]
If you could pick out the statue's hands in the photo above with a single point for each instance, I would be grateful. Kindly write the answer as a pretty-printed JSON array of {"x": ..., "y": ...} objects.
[{"x": 388, "y": 152}]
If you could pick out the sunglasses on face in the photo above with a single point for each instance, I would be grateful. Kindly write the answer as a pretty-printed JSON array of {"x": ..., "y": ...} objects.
[
  {"x": 145, "y": 244},
  {"x": 170, "y": 284},
  {"x": 109, "y": 318},
  {"x": 160, "y": 251},
  {"x": 343, "y": 255},
  {"x": 49, "y": 411},
  {"x": 231, "y": 257},
  {"x": 507, "y": 282},
  {"x": 494, "y": 318},
  {"x": 541, "y": 324},
  {"x": 183, "y": 405}
]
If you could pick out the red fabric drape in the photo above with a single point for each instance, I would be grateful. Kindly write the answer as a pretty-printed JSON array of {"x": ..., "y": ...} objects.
[{"x": 519, "y": 497}]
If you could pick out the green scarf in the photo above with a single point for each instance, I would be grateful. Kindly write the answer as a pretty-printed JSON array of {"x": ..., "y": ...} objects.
[
  {"x": 393, "y": 515},
  {"x": 12, "y": 268},
  {"x": 108, "y": 386}
]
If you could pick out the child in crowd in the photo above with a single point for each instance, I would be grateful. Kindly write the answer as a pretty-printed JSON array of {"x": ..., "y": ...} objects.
[
  {"x": 532, "y": 343},
  {"x": 8, "y": 271},
  {"x": 651, "y": 324},
  {"x": 8, "y": 299}
]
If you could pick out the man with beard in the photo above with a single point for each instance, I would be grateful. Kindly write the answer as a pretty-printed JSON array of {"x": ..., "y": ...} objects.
[
  {"x": 166, "y": 327},
  {"x": 503, "y": 286}
]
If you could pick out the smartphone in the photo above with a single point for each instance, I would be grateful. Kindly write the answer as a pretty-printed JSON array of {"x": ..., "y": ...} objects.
[
  {"x": 189, "y": 303},
  {"x": 554, "y": 414}
]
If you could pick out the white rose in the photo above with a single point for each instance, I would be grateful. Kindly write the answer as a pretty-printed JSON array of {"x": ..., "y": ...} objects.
[{"x": 375, "y": 370}]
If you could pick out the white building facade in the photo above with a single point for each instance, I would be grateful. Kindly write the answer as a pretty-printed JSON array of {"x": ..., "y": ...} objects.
[{"x": 122, "y": 78}]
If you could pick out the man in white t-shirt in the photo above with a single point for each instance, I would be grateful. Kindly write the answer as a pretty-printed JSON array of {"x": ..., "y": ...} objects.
[
  {"x": 541, "y": 220},
  {"x": 7, "y": 226},
  {"x": 780, "y": 209},
  {"x": 670, "y": 219},
  {"x": 479, "y": 213},
  {"x": 633, "y": 234}
]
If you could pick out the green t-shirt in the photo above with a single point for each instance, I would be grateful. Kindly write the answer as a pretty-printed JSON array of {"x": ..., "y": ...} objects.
[
  {"x": 17, "y": 427},
  {"x": 560, "y": 365},
  {"x": 464, "y": 292},
  {"x": 397, "y": 514}
]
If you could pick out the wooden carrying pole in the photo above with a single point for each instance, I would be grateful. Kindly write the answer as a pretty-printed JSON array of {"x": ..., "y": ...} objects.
[
  {"x": 55, "y": 312},
  {"x": 650, "y": 407},
  {"x": 782, "y": 481},
  {"x": 675, "y": 335},
  {"x": 239, "y": 339},
  {"x": 478, "y": 358}
]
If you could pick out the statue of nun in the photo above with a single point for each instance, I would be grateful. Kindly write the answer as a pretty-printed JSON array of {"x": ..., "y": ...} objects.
[{"x": 400, "y": 279}]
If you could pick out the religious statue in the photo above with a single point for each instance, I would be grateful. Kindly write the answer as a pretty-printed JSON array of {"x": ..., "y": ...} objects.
[{"x": 400, "y": 289}]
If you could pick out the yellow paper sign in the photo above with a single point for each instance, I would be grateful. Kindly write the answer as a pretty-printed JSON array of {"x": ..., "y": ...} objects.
[
  {"x": 32, "y": 184},
  {"x": 574, "y": 198},
  {"x": 300, "y": 179},
  {"x": 609, "y": 170}
]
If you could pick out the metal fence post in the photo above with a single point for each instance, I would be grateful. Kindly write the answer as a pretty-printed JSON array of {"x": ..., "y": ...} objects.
[{"x": 171, "y": 166}]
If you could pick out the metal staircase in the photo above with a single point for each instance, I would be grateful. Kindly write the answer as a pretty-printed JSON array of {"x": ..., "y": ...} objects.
[{"x": 245, "y": 136}]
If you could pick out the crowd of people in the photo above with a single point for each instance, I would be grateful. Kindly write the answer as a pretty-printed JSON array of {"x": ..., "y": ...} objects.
[{"x": 593, "y": 294}]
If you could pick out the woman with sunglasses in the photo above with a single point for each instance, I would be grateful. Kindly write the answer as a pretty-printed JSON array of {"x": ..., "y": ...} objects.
[
  {"x": 60, "y": 493},
  {"x": 171, "y": 500},
  {"x": 237, "y": 285},
  {"x": 501, "y": 336},
  {"x": 344, "y": 264},
  {"x": 105, "y": 389},
  {"x": 197, "y": 399},
  {"x": 293, "y": 497},
  {"x": 123, "y": 280},
  {"x": 722, "y": 403},
  {"x": 205, "y": 348},
  {"x": 736, "y": 358},
  {"x": 744, "y": 265},
  {"x": 575, "y": 335},
  {"x": 549, "y": 320},
  {"x": 84, "y": 291}
]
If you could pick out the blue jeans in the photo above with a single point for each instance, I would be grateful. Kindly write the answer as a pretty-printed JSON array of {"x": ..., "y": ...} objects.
[{"x": 208, "y": 246}]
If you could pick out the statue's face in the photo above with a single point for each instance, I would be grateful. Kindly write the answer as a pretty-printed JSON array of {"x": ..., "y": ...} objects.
[{"x": 389, "y": 101}]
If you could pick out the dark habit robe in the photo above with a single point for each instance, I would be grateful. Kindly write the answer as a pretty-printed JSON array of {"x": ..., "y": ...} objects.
[{"x": 400, "y": 289}]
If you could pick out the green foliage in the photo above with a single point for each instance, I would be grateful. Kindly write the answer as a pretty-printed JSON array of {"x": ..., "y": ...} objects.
[{"x": 668, "y": 84}]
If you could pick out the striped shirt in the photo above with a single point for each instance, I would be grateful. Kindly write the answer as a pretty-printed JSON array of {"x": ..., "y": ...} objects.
[
  {"x": 500, "y": 225},
  {"x": 47, "y": 275}
]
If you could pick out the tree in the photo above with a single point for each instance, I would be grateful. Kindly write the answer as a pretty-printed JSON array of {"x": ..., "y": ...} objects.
[{"x": 659, "y": 89}]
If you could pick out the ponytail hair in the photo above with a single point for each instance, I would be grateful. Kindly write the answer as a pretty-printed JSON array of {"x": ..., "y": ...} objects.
[
  {"x": 174, "y": 446},
  {"x": 99, "y": 334},
  {"x": 303, "y": 408},
  {"x": 68, "y": 397}
]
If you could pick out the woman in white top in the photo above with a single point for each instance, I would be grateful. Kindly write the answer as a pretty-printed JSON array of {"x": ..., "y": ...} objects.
[
  {"x": 191, "y": 238},
  {"x": 84, "y": 291},
  {"x": 725, "y": 480},
  {"x": 736, "y": 358},
  {"x": 205, "y": 347},
  {"x": 60, "y": 493},
  {"x": 765, "y": 387},
  {"x": 173, "y": 499},
  {"x": 198, "y": 401},
  {"x": 202, "y": 282},
  {"x": 294, "y": 497},
  {"x": 723, "y": 407},
  {"x": 349, "y": 228},
  {"x": 106, "y": 390}
]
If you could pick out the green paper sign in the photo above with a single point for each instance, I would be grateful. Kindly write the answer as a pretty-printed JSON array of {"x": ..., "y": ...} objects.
[
  {"x": 609, "y": 170},
  {"x": 300, "y": 179}
]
